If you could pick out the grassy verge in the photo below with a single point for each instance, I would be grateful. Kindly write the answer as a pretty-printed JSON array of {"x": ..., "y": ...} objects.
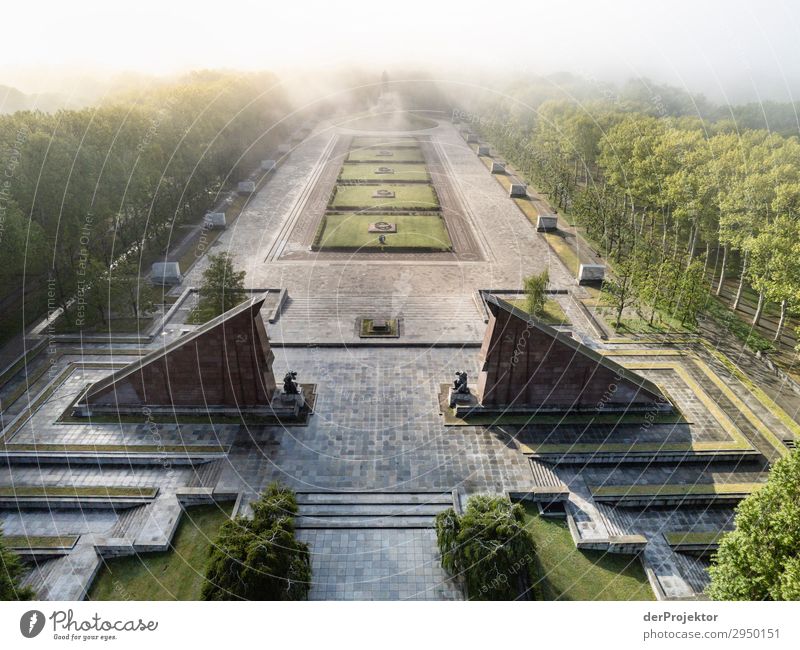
[
  {"x": 571, "y": 574},
  {"x": 682, "y": 537},
  {"x": 643, "y": 447},
  {"x": 128, "y": 449},
  {"x": 176, "y": 574},
  {"x": 75, "y": 491},
  {"x": 413, "y": 231},
  {"x": 39, "y": 541},
  {"x": 674, "y": 490}
]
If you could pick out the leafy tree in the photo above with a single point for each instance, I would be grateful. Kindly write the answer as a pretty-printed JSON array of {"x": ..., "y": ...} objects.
[
  {"x": 619, "y": 291},
  {"x": 222, "y": 288},
  {"x": 535, "y": 293},
  {"x": 758, "y": 560},
  {"x": 11, "y": 572},
  {"x": 260, "y": 558},
  {"x": 489, "y": 548}
]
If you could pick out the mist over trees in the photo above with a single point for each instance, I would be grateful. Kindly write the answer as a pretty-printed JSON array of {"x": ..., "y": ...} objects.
[
  {"x": 669, "y": 198},
  {"x": 89, "y": 197}
]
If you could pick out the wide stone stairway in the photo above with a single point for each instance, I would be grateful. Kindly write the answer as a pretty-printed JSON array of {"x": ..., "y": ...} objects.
[{"x": 409, "y": 510}]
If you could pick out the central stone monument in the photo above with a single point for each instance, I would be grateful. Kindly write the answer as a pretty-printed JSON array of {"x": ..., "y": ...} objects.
[{"x": 222, "y": 368}]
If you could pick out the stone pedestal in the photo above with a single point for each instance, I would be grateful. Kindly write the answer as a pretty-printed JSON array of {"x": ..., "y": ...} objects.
[
  {"x": 498, "y": 168},
  {"x": 246, "y": 187},
  {"x": 287, "y": 406},
  {"x": 591, "y": 273},
  {"x": 463, "y": 403},
  {"x": 546, "y": 222},
  {"x": 483, "y": 150},
  {"x": 268, "y": 165},
  {"x": 472, "y": 139}
]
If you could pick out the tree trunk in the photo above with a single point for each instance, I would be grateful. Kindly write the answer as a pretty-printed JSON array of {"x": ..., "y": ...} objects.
[
  {"x": 692, "y": 244},
  {"x": 780, "y": 322},
  {"x": 735, "y": 305},
  {"x": 759, "y": 308},
  {"x": 722, "y": 270}
]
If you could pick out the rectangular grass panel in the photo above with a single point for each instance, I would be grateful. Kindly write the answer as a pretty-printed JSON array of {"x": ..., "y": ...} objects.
[
  {"x": 398, "y": 154},
  {"x": 696, "y": 489},
  {"x": 406, "y": 197},
  {"x": 40, "y": 542},
  {"x": 77, "y": 491},
  {"x": 370, "y": 172},
  {"x": 349, "y": 231}
]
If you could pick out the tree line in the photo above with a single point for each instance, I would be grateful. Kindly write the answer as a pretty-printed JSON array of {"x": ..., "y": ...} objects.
[
  {"x": 88, "y": 196},
  {"x": 670, "y": 199}
]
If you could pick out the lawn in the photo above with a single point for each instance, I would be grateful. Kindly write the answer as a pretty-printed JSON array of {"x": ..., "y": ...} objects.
[
  {"x": 570, "y": 574},
  {"x": 411, "y": 196},
  {"x": 400, "y": 154},
  {"x": 368, "y": 172},
  {"x": 176, "y": 574},
  {"x": 413, "y": 231},
  {"x": 552, "y": 315}
]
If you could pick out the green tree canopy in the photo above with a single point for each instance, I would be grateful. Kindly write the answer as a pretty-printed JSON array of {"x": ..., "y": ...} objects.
[
  {"x": 535, "y": 293},
  {"x": 759, "y": 559},
  {"x": 259, "y": 558},
  {"x": 222, "y": 288},
  {"x": 489, "y": 548},
  {"x": 11, "y": 571}
]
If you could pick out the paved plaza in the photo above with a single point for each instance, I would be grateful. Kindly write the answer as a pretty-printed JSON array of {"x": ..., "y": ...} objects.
[{"x": 378, "y": 444}]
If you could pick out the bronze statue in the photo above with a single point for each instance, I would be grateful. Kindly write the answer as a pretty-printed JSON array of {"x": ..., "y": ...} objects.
[
  {"x": 460, "y": 383},
  {"x": 290, "y": 383}
]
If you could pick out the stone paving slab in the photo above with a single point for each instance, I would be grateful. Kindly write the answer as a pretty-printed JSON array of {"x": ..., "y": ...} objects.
[{"x": 377, "y": 565}]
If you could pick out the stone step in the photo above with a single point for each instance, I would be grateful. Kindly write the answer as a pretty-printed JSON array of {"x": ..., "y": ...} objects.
[
  {"x": 365, "y": 522},
  {"x": 377, "y": 510},
  {"x": 386, "y": 498}
]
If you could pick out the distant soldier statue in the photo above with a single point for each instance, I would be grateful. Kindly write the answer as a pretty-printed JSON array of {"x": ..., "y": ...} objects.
[
  {"x": 382, "y": 240},
  {"x": 460, "y": 384},
  {"x": 290, "y": 383}
]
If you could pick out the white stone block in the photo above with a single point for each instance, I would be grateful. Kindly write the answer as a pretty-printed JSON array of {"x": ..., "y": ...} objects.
[
  {"x": 545, "y": 222},
  {"x": 518, "y": 189},
  {"x": 498, "y": 168},
  {"x": 165, "y": 273},
  {"x": 246, "y": 187},
  {"x": 483, "y": 149},
  {"x": 268, "y": 165},
  {"x": 591, "y": 273},
  {"x": 215, "y": 220}
]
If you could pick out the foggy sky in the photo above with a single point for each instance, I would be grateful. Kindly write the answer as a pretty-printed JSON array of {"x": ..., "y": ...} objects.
[{"x": 731, "y": 51}]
